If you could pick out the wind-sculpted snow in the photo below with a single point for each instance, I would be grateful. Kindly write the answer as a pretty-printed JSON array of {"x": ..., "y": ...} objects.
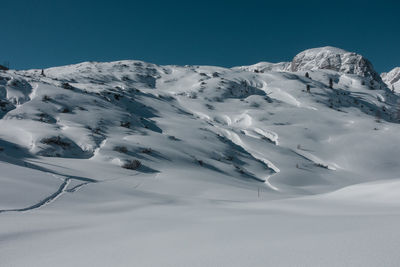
[{"x": 110, "y": 150}]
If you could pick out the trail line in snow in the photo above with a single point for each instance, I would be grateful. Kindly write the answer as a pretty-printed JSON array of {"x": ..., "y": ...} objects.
[
  {"x": 53, "y": 197},
  {"x": 77, "y": 187},
  {"x": 45, "y": 201}
]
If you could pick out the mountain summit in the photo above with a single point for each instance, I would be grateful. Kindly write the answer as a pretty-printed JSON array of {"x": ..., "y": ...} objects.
[
  {"x": 392, "y": 78},
  {"x": 332, "y": 58},
  {"x": 325, "y": 58}
]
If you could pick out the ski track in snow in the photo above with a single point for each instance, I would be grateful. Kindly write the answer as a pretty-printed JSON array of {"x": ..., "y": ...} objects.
[
  {"x": 45, "y": 201},
  {"x": 53, "y": 197},
  {"x": 77, "y": 187}
]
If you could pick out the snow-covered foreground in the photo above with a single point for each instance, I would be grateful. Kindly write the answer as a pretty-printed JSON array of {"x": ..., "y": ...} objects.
[
  {"x": 122, "y": 225},
  {"x": 133, "y": 164}
]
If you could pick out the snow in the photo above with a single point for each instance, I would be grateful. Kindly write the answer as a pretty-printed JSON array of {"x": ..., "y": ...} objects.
[
  {"x": 239, "y": 166},
  {"x": 265, "y": 67},
  {"x": 336, "y": 59},
  {"x": 392, "y": 78}
]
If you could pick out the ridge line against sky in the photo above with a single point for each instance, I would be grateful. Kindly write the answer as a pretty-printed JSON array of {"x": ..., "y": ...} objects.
[{"x": 44, "y": 33}]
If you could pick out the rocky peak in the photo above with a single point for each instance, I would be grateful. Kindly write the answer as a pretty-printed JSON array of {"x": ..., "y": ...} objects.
[
  {"x": 392, "y": 78},
  {"x": 336, "y": 59}
]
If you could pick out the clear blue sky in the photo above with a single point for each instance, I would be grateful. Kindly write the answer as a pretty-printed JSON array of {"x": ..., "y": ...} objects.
[{"x": 44, "y": 33}]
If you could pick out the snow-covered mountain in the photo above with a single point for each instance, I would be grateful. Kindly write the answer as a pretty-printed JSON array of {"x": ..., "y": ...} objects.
[
  {"x": 336, "y": 59},
  {"x": 392, "y": 78},
  {"x": 135, "y": 153},
  {"x": 325, "y": 58}
]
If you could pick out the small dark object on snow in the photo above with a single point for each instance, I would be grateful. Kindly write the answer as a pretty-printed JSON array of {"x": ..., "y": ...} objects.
[
  {"x": 132, "y": 164},
  {"x": 46, "y": 98},
  {"x": 146, "y": 150},
  {"x": 125, "y": 124},
  {"x": 121, "y": 149},
  {"x": 67, "y": 86},
  {"x": 65, "y": 110},
  {"x": 171, "y": 137},
  {"x": 55, "y": 141}
]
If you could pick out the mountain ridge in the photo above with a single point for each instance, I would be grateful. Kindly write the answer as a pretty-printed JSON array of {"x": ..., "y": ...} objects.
[
  {"x": 72, "y": 110},
  {"x": 198, "y": 165}
]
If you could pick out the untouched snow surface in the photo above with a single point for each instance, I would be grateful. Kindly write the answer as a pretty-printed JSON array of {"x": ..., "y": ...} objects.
[{"x": 226, "y": 167}]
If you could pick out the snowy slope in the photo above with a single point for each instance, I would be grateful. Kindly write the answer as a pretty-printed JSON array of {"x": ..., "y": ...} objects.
[{"x": 130, "y": 155}]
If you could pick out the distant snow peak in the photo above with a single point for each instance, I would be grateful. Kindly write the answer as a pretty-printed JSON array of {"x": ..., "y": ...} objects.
[
  {"x": 336, "y": 59},
  {"x": 327, "y": 58},
  {"x": 392, "y": 78}
]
